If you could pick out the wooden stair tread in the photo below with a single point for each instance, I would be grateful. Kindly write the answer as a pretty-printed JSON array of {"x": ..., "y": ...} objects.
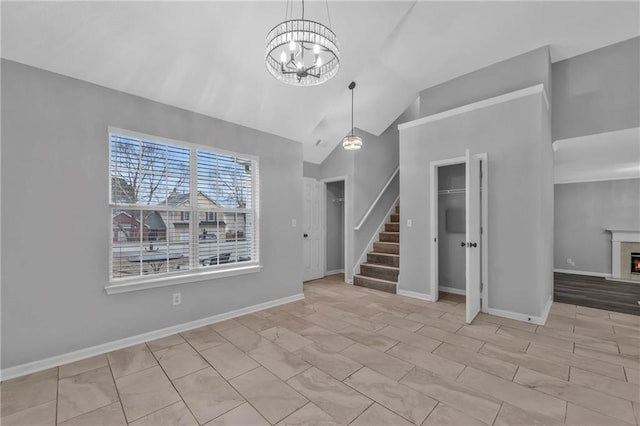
[
  {"x": 377, "y": 265},
  {"x": 375, "y": 279},
  {"x": 380, "y": 253}
]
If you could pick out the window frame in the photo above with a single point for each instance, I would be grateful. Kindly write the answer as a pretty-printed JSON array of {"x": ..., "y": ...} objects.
[{"x": 141, "y": 282}]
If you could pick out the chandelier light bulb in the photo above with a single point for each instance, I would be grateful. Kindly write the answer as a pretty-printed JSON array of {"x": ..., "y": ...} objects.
[
  {"x": 283, "y": 57},
  {"x": 299, "y": 65},
  {"x": 292, "y": 45},
  {"x": 319, "y": 62},
  {"x": 316, "y": 49}
]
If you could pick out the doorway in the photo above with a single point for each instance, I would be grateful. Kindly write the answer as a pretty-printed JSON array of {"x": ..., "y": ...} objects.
[
  {"x": 335, "y": 241},
  {"x": 459, "y": 229},
  {"x": 451, "y": 229}
]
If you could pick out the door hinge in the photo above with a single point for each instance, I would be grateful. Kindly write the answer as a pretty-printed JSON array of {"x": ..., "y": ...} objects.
[{"x": 481, "y": 286}]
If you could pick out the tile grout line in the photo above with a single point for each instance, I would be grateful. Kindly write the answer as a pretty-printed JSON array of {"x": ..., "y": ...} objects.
[
  {"x": 173, "y": 384},
  {"x": 58, "y": 390},
  {"x": 115, "y": 384}
]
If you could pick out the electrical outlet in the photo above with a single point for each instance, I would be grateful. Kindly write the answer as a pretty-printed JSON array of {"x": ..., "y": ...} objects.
[
  {"x": 409, "y": 223},
  {"x": 294, "y": 223},
  {"x": 177, "y": 299}
]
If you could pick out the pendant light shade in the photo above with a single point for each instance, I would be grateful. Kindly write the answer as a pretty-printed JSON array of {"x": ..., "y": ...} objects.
[{"x": 352, "y": 142}]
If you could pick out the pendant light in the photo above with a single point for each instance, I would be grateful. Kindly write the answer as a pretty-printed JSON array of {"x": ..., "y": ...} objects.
[{"x": 352, "y": 142}]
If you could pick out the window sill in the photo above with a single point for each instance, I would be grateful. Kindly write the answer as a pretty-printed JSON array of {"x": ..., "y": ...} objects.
[{"x": 147, "y": 283}]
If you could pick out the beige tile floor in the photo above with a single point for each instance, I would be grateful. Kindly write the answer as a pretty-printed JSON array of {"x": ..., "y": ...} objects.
[{"x": 348, "y": 355}]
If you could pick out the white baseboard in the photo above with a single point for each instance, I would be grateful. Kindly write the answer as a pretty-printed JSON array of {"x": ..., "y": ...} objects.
[
  {"x": 415, "y": 295},
  {"x": 591, "y": 274},
  {"x": 452, "y": 290},
  {"x": 523, "y": 317},
  {"x": 622, "y": 280},
  {"x": 335, "y": 271},
  {"x": 35, "y": 366}
]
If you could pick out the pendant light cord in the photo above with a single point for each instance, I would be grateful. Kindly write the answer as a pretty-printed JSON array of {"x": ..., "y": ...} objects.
[{"x": 352, "y": 129}]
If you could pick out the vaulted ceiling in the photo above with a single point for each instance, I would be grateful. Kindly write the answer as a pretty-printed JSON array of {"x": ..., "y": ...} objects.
[{"x": 208, "y": 57}]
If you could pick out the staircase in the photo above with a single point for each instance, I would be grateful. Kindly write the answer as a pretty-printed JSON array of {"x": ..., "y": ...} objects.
[{"x": 380, "y": 271}]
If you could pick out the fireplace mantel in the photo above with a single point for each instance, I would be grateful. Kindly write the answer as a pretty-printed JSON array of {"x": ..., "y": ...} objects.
[
  {"x": 619, "y": 236},
  {"x": 625, "y": 236}
]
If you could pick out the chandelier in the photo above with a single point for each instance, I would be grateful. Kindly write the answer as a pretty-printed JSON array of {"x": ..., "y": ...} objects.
[
  {"x": 352, "y": 142},
  {"x": 300, "y": 52}
]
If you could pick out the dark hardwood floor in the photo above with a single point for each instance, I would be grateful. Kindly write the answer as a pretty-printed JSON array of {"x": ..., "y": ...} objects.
[{"x": 596, "y": 292}]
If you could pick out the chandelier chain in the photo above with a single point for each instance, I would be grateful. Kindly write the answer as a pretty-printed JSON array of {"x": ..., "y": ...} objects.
[{"x": 326, "y": 2}]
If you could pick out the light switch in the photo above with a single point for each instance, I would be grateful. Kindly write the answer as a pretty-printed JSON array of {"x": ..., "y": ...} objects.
[
  {"x": 409, "y": 223},
  {"x": 294, "y": 223}
]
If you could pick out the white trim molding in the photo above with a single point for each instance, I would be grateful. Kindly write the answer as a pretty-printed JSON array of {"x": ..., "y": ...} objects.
[
  {"x": 537, "y": 89},
  {"x": 586, "y": 273},
  {"x": 145, "y": 283},
  {"x": 539, "y": 320},
  {"x": 415, "y": 295},
  {"x": 54, "y": 361},
  {"x": 452, "y": 290}
]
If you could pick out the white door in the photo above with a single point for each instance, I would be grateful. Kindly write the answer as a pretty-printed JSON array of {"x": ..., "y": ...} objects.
[
  {"x": 313, "y": 229},
  {"x": 472, "y": 236}
]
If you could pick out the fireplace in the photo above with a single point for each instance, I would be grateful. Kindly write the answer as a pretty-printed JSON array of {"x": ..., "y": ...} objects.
[
  {"x": 625, "y": 255},
  {"x": 635, "y": 263}
]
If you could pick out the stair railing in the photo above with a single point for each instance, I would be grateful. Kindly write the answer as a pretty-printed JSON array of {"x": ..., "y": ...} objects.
[{"x": 366, "y": 215}]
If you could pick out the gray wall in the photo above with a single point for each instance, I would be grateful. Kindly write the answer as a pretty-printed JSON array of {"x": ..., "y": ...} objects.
[
  {"x": 582, "y": 213},
  {"x": 367, "y": 171},
  {"x": 522, "y": 71},
  {"x": 597, "y": 91},
  {"x": 517, "y": 137},
  {"x": 311, "y": 170},
  {"x": 512, "y": 135},
  {"x": 593, "y": 93},
  {"x": 335, "y": 226},
  {"x": 56, "y": 222},
  {"x": 451, "y": 257}
]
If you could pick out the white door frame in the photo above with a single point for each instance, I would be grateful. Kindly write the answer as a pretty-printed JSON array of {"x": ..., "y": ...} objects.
[
  {"x": 484, "y": 235},
  {"x": 433, "y": 169},
  {"x": 345, "y": 221}
]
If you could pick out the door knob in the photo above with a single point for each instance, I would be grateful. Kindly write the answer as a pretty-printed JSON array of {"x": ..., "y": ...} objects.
[
  {"x": 306, "y": 235},
  {"x": 473, "y": 244},
  {"x": 463, "y": 244}
]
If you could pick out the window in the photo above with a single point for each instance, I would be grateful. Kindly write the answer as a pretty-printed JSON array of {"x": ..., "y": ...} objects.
[{"x": 179, "y": 209}]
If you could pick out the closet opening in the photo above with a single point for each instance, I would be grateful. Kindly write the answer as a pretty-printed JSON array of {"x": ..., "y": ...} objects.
[{"x": 451, "y": 230}]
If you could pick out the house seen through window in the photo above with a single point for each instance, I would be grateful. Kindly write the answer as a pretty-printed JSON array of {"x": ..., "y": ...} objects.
[{"x": 177, "y": 207}]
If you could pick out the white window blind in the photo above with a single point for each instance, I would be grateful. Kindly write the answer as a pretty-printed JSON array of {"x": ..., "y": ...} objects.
[{"x": 177, "y": 208}]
